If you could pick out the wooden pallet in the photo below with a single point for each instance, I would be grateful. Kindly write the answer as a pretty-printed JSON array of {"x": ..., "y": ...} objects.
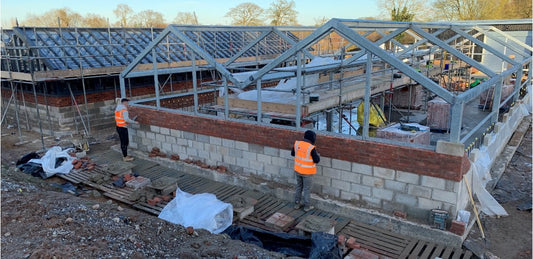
[
  {"x": 377, "y": 240},
  {"x": 427, "y": 250}
]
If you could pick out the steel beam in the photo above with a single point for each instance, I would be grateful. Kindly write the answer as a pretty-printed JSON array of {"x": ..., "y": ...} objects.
[
  {"x": 523, "y": 52},
  {"x": 247, "y": 47},
  {"x": 476, "y": 91},
  {"x": 395, "y": 62},
  {"x": 291, "y": 41},
  {"x": 384, "y": 39},
  {"x": 299, "y": 57},
  {"x": 484, "y": 46},
  {"x": 515, "y": 40},
  {"x": 145, "y": 52},
  {"x": 259, "y": 102},
  {"x": 456, "y": 123},
  {"x": 368, "y": 84},
  {"x": 314, "y": 36},
  {"x": 454, "y": 52},
  {"x": 156, "y": 79},
  {"x": 199, "y": 51}
]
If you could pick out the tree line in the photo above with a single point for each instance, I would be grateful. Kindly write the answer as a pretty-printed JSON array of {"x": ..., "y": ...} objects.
[{"x": 283, "y": 12}]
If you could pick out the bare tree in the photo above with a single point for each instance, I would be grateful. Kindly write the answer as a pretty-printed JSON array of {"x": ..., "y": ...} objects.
[
  {"x": 246, "y": 14},
  {"x": 186, "y": 18},
  {"x": 393, "y": 9},
  {"x": 94, "y": 20},
  {"x": 282, "y": 12},
  {"x": 63, "y": 17},
  {"x": 466, "y": 9},
  {"x": 320, "y": 21},
  {"x": 149, "y": 18},
  {"x": 123, "y": 12}
]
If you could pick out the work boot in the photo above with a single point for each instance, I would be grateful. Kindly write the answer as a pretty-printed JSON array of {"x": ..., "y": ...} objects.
[
  {"x": 297, "y": 206},
  {"x": 308, "y": 208},
  {"x": 128, "y": 158}
]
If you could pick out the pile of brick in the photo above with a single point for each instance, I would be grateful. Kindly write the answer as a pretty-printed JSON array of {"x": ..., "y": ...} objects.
[
  {"x": 131, "y": 180},
  {"x": 158, "y": 199},
  {"x": 219, "y": 168},
  {"x": 353, "y": 250},
  {"x": 156, "y": 152},
  {"x": 84, "y": 163},
  {"x": 458, "y": 227}
]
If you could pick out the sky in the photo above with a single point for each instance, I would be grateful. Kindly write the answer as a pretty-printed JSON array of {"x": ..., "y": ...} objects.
[{"x": 207, "y": 11}]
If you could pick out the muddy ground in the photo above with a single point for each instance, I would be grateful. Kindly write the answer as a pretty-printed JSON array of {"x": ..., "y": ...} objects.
[
  {"x": 40, "y": 221},
  {"x": 509, "y": 237}
]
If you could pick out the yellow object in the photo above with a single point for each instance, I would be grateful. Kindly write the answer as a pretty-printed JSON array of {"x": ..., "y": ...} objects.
[{"x": 376, "y": 117}]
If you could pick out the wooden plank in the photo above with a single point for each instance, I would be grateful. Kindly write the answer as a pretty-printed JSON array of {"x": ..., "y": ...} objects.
[
  {"x": 447, "y": 252},
  {"x": 383, "y": 236},
  {"x": 377, "y": 241},
  {"x": 417, "y": 249},
  {"x": 141, "y": 206},
  {"x": 407, "y": 250},
  {"x": 427, "y": 250},
  {"x": 118, "y": 198},
  {"x": 265, "y": 106},
  {"x": 438, "y": 251},
  {"x": 467, "y": 254},
  {"x": 380, "y": 230},
  {"x": 457, "y": 253}
]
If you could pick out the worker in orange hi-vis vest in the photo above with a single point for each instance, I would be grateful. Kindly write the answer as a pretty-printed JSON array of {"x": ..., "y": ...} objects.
[
  {"x": 305, "y": 159},
  {"x": 122, "y": 119}
]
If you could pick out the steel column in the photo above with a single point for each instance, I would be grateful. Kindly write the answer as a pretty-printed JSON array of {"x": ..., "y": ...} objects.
[
  {"x": 368, "y": 83},
  {"x": 456, "y": 121},
  {"x": 299, "y": 57},
  {"x": 156, "y": 79},
  {"x": 259, "y": 108}
]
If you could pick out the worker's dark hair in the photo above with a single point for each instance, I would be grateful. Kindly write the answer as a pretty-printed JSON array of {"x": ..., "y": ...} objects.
[
  {"x": 124, "y": 100},
  {"x": 310, "y": 135}
]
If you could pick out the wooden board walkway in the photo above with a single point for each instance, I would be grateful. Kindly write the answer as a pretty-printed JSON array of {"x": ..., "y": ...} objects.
[{"x": 377, "y": 240}]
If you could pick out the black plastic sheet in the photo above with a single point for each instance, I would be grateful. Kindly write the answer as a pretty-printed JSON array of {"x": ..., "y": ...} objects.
[{"x": 319, "y": 245}]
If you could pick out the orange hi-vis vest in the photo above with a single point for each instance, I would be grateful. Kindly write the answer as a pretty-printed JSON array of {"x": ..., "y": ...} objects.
[
  {"x": 119, "y": 118},
  {"x": 303, "y": 162}
]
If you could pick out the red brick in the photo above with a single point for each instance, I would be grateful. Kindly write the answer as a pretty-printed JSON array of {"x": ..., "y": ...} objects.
[
  {"x": 400, "y": 214},
  {"x": 190, "y": 230},
  {"x": 385, "y": 155},
  {"x": 341, "y": 240},
  {"x": 458, "y": 227},
  {"x": 352, "y": 244}
]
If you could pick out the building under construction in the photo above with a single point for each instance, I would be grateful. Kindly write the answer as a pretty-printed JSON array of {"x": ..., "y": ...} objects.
[{"x": 400, "y": 126}]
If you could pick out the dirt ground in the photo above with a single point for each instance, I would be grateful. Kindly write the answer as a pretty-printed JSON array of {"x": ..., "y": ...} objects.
[
  {"x": 40, "y": 221},
  {"x": 509, "y": 237}
]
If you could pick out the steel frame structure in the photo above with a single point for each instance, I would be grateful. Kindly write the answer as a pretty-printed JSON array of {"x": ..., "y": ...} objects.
[{"x": 430, "y": 36}]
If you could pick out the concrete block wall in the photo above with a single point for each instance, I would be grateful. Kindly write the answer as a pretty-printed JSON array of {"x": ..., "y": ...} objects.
[
  {"x": 63, "y": 120},
  {"x": 354, "y": 174}
]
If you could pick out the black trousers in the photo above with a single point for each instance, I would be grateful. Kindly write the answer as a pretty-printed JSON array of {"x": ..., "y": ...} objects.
[{"x": 124, "y": 140}]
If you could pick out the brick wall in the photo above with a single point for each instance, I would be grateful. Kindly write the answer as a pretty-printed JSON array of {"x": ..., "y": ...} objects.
[{"x": 379, "y": 175}]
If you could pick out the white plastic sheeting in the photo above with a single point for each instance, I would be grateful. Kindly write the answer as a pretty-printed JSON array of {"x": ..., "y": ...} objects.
[
  {"x": 486, "y": 157},
  {"x": 202, "y": 210},
  {"x": 48, "y": 161},
  {"x": 489, "y": 205}
]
